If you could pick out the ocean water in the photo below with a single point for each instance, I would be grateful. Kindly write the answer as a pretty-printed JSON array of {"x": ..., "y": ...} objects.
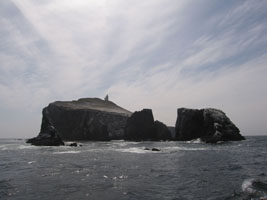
[{"x": 124, "y": 170}]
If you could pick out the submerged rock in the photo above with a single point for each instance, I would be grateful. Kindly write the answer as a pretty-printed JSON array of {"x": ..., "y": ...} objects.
[
  {"x": 74, "y": 144},
  {"x": 87, "y": 119},
  {"x": 155, "y": 149},
  {"x": 211, "y": 125}
]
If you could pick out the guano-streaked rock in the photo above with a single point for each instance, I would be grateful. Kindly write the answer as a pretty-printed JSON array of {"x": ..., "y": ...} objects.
[{"x": 211, "y": 125}]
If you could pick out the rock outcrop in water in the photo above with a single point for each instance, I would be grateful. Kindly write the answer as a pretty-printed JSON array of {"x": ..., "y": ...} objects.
[
  {"x": 48, "y": 135},
  {"x": 162, "y": 131},
  {"x": 141, "y": 126},
  {"x": 87, "y": 119},
  {"x": 211, "y": 125},
  {"x": 103, "y": 120},
  {"x": 49, "y": 138}
]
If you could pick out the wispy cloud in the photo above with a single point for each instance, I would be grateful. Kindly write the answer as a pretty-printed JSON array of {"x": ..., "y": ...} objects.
[{"x": 157, "y": 54}]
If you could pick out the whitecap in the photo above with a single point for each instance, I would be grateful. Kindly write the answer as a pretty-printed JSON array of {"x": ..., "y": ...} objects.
[
  {"x": 15, "y": 146},
  {"x": 247, "y": 186},
  {"x": 172, "y": 148},
  {"x": 96, "y": 150},
  {"x": 134, "y": 150},
  {"x": 121, "y": 144},
  {"x": 184, "y": 148},
  {"x": 120, "y": 177},
  {"x": 3, "y": 147},
  {"x": 195, "y": 141},
  {"x": 26, "y": 147},
  {"x": 123, "y": 177},
  {"x": 65, "y": 152},
  {"x": 193, "y": 149}
]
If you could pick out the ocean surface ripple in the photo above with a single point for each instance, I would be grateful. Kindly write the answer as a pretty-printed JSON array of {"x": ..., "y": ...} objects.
[{"x": 125, "y": 170}]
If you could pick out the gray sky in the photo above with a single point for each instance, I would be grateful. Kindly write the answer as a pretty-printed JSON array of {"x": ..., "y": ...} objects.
[{"x": 159, "y": 54}]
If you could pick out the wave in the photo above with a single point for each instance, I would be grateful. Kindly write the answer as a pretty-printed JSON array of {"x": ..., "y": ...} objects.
[
  {"x": 195, "y": 141},
  {"x": 134, "y": 150},
  {"x": 66, "y": 152},
  {"x": 247, "y": 186},
  {"x": 251, "y": 189},
  {"x": 254, "y": 186},
  {"x": 161, "y": 150},
  {"x": 177, "y": 148},
  {"x": 15, "y": 147},
  {"x": 26, "y": 147},
  {"x": 4, "y": 147}
]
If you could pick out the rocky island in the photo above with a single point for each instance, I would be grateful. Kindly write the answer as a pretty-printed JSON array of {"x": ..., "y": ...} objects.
[
  {"x": 86, "y": 119},
  {"x": 210, "y": 125},
  {"x": 102, "y": 120}
]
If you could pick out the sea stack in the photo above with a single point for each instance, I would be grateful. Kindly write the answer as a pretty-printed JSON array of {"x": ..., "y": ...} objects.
[
  {"x": 210, "y": 125},
  {"x": 141, "y": 126}
]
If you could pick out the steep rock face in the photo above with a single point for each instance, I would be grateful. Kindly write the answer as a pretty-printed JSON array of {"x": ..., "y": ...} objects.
[
  {"x": 162, "y": 131},
  {"x": 48, "y": 135},
  {"x": 211, "y": 125},
  {"x": 87, "y": 119},
  {"x": 188, "y": 124},
  {"x": 49, "y": 138},
  {"x": 172, "y": 131},
  {"x": 141, "y": 126}
]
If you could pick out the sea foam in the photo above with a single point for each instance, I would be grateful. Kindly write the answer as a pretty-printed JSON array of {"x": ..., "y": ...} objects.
[{"x": 66, "y": 152}]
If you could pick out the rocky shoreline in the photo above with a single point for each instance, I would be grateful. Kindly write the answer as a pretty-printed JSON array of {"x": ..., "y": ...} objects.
[{"x": 102, "y": 120}]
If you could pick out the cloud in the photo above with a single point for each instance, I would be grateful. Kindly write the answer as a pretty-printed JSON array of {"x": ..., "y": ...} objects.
[
  {"x": 156, "y": 54},
  {"x": 235, "y": 90}
]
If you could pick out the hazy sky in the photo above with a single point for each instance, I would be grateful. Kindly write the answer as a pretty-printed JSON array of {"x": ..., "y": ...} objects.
[{"x": 159, "y": 54}]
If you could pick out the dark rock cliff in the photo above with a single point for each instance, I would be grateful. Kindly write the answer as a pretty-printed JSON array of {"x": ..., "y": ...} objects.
[
  {"x": 48, "y": 135},
  {"x": 48, "y": 138},
  {"x": 141, "y": 126},
  {"x": 102, "y": 120},
  {"x": 211, "y": 125},
  {"x": 162, "y": 131},
  {"x": 87, "y": 119}
]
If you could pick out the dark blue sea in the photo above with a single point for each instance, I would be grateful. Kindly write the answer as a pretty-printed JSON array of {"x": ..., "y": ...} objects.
[{"x": 124, "y": 170}]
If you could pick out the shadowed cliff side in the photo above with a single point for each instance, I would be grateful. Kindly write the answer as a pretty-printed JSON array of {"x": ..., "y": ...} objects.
[
  {"x": 87, "y": 119},
  {"x": 141, "y": 126},
  {"x": 48, "y": 135},
  {"x": 211, "y": 125}
]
